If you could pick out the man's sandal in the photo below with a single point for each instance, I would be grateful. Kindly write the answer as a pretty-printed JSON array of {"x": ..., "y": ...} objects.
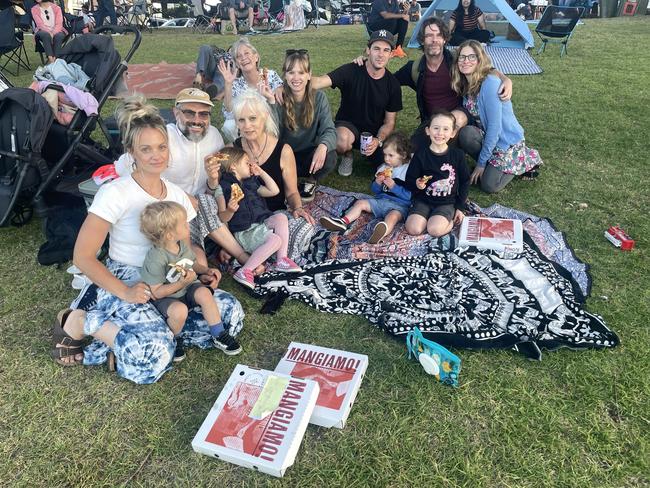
[{"x": 65, "y": 346}]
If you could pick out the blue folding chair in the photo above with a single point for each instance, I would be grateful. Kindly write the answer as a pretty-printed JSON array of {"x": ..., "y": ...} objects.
[{"x": 556, "y": 25}]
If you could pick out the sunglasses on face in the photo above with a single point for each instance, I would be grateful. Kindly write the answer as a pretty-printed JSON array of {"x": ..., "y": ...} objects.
[
  {"x": 301, "y": 52},
  {"x": 470, "y": 57},
  {"x": 190, "y": 114}
]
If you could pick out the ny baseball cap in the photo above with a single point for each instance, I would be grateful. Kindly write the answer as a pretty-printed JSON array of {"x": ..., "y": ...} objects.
[
  {"x": 193, "y": 95},
  {"x": 382, "y": 35}
]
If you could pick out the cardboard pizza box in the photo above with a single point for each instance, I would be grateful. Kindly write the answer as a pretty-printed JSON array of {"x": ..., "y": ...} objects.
[
  {"x": 259, "y": 420},
  {"x": 502, "y": 235},
  {"x": 338, "y": 373}
]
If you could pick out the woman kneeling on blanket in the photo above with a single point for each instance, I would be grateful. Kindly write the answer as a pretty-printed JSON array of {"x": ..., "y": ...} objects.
[
  {"x": 503, "y": 153},
  {"x": 123, "y": 318}
]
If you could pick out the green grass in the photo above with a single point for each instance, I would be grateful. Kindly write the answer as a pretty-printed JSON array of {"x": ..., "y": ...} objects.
[{"x": 574, "y": 419}]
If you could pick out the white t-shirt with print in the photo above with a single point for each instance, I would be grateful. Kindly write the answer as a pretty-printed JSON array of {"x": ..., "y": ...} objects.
[{"x": 120, "y": 203}]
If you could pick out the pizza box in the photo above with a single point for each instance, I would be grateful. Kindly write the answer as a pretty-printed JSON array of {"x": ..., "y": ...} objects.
[
  {"x": 258, "y": 421},
  {"x": 502, "y": 235},
  {"x": 338, "y": 373}
]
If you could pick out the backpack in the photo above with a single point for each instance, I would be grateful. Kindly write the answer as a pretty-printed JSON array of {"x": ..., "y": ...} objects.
[{"x": 61, "y": 227}]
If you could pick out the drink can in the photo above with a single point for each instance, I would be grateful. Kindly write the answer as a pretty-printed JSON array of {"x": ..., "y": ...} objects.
[{"x": 364, "y": 142}]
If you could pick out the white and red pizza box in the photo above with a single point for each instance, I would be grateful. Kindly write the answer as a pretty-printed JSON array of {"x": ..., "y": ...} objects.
[
  {"x": 259, "y": 420},
  {"x": 338, "y": 373},
  {"x": 502, "y": 235}
]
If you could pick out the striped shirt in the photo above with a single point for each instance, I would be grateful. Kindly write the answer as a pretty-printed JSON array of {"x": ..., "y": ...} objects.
[{"x": 470, "y": 22}]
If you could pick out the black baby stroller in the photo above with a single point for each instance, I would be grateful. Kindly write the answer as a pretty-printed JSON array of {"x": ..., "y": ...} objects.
[
  {"x": 25, "y": 119},
  {"x": 69, "y": 152}
]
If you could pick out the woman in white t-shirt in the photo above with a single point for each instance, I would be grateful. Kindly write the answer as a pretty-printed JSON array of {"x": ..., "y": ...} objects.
[{"x": 131, "y": 335}]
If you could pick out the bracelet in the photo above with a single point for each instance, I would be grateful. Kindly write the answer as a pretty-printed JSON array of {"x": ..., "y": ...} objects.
[{"x": 207, "y": 183}]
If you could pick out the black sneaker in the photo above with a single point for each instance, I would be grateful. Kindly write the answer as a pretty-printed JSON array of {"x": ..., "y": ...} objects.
[
  {"x": 179, "y": 352},
  {"x": 227, "y": 343},
  {"x": 308, "y": 190},
  {"x": 334, "y": 224}
]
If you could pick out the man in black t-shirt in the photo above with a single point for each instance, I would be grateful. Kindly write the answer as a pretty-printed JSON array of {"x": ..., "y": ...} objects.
[{"x": 370, "y": 99}]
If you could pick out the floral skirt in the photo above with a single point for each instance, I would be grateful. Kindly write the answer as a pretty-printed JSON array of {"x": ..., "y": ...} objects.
[
  {"x": 144, "y": 346},
  {"x": 516, "y": 160}
]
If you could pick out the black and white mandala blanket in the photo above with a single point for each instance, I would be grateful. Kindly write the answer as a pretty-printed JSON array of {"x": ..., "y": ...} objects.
[{"x": 463, "y": 299}]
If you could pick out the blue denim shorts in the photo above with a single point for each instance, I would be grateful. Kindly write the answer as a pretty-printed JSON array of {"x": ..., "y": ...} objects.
[{"x": 381, "y": 206}]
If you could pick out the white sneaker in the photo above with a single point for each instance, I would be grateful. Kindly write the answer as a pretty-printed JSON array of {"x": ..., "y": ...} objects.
[{"x": 345, "y": 166}]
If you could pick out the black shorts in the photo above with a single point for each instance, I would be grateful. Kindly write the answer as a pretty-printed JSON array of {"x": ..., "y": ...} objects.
[
  {"x": 377, "y": 157},
  {"x": 163, "y": 304},
  {"x": 427, "y": 211}
]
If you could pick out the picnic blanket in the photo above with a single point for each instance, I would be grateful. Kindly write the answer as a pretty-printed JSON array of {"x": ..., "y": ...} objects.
[
  {"x": 313, "y": 245},
  {"x": 513, "y": 61},
  {"x": 162, "y": 80},
  {"x": 457, "y": 297},
  {"x": 464, "y": 298}
]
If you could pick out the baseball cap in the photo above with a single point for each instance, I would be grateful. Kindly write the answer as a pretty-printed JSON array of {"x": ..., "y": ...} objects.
[
  {"x": 193, "y": 95},
  {"x": 382, "y": 35}
]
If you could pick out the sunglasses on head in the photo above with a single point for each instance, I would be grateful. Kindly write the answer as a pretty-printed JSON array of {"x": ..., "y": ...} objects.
[{"x": 301, "y": 52}]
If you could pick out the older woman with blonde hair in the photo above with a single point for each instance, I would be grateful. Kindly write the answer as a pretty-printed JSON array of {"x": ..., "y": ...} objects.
[
  {"x": 260, "y": 139},
  {"x": 244, "y": 74},
  {"x": 503, "y": 154}
]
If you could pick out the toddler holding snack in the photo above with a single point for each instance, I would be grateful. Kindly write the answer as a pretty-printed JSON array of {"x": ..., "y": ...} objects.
[
  {"x": 243, "y": 188},
  {"x": 391, "y": 197},
  {"x": 171, "y": 271},
  {"x": 438, "y": 178}
]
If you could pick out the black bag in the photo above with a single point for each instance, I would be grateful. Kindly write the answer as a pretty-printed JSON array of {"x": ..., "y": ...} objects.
[{"x": 61, "y": 228}]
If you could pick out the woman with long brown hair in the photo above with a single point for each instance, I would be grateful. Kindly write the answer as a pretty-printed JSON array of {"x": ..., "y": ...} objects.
[
  {"x": 503, "y": 153},
  {"x": 305, "y": 121}
]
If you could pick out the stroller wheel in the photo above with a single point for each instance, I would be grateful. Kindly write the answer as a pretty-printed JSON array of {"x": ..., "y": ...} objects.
[{"x": 22, "y": 215}]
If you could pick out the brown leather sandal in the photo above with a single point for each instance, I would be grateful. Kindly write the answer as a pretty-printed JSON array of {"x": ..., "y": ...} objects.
[{"x": 65, "y": 346}]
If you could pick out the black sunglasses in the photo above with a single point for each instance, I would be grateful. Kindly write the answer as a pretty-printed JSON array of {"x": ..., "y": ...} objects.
[
  {"x": 47, "y": 14},
  {"x": 301, "y": 52}
]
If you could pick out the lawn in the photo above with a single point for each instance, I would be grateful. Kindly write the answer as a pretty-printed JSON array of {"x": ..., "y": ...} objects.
[{"x": 573, "y": 419}]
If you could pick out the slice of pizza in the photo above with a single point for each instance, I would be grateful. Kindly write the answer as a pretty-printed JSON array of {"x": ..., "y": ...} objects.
[
  {"x": 217, "y": 157},
  {"x": 264, "y": 75},
  {"x": 236, "y": 192},
  {"x": 386, "y": 173}
]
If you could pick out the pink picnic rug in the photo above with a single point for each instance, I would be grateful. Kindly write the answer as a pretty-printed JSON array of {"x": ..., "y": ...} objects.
[{"x": 161, "y": 80}]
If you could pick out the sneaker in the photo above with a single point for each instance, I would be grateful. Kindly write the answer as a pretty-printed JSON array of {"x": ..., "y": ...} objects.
[
  {"x": 308, "y": 190},
  {"x": 179, "y": 352},
  {"x": 333, "y": 224},
  {"x": 212, "y": 91},
  {"x": 245, "y": 277},
  {"x": 286, "y": 265},
  {"x": 227, "y": 343},
  {"x": 345, "y": 167},
  {"x": 380, "y": 231},
  {"x": 398, "y": 52}
]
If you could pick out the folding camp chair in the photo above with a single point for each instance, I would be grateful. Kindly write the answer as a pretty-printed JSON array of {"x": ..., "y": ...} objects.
[
  {"x": 312, "y": 16},
  {"x": 139, "y": 14},
  {"x": 556, "y": 25},
  {"x": 12, "y": 45}
]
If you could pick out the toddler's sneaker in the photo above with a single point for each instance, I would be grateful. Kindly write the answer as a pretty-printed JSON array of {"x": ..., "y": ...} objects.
[
  {"x": 308, "y": 190},
  {"x": 245, "y": 277},
  {"x": 334, "y": 224},
  {"x": 227, "y": 343},
  {"x": 379, "y": 232},
  {"x": 287, "y": 265},
  {"x": 345, "y": 166},
  {"x": 179, "y": 352}
]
